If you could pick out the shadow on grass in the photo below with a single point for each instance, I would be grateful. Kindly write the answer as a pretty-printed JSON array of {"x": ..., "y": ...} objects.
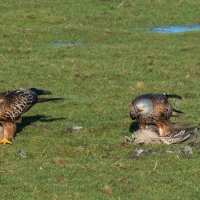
[
  {"x": 31, "y": 120},
  {"x": 133, "y": 127}
]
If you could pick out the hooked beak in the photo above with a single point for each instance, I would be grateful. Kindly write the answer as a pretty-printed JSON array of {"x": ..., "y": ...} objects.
[{"x": 140, "y": 109}]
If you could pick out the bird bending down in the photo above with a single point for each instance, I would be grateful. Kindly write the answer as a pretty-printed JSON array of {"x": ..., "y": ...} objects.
[
  {"x": 154, "y": 109},
  {"x": 13, "y": 104}
]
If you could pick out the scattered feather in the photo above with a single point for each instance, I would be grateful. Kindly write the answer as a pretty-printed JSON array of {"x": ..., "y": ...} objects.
[
  {"x": 168, "y": 151},
  {"x": 22, "y": 154},
  {"x": 73, "y": 128},
  {"x": 127, "y": 139},
  {"x": 177, "y": 101},
  {"x": 138, "y": 152}
]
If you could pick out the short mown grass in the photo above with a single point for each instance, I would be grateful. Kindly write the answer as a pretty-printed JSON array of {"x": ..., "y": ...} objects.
[{"x": 99, "y": 81}]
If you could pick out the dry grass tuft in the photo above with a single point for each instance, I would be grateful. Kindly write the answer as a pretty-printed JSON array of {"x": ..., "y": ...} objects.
[
  {"x": 141, "y": 85},
  {"x": 107, "y": 190}
]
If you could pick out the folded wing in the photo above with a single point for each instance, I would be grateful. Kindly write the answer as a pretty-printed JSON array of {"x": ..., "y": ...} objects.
[{"x": 14, "y": 103}]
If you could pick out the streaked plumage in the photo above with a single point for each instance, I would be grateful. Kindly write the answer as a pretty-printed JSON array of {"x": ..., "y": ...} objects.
[
  {"x": 13, "y": 104},
  {"x": 155, "y": 109}
]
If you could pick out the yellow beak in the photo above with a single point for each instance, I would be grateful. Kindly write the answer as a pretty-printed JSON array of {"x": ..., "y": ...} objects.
[{"x": 140, "y": 109}]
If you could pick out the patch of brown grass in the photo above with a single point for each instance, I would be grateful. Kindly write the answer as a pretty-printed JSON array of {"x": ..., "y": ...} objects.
[{"x": 107, "y": 190}]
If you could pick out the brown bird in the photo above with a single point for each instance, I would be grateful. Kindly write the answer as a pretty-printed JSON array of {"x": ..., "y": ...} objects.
[
  {"x": 154, "y": 109},
  {"x": 13, "y": 104}
]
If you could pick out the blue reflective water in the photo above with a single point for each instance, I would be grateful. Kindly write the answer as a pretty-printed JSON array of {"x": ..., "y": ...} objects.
[
  {"x": 69, "y": 44},
  {"x": 176, "y": 29},
  {"x": 169, "y": 29}
]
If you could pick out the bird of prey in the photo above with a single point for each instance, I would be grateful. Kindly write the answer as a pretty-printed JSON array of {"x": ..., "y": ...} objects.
[
  {"x": 13, "y": 104},
  {"x": 154, "y": 109}
]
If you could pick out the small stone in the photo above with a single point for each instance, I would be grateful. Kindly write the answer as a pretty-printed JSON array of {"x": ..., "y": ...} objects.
[
  {"x": 189, "y": 153},
  {"x": 186, "y": 150},
  {"x": 192, "y": 143},
  {"x": 150, "y": 151}
]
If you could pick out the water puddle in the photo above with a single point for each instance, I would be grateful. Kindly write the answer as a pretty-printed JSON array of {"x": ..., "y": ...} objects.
[
  {"x": 175, "y": 29},
  {"x": 169, "y": 29},
  {"x": 69, "y": 44}
]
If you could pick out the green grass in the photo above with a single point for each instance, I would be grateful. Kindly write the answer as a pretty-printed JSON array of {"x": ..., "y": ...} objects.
[{"x": 99, "y": 81}]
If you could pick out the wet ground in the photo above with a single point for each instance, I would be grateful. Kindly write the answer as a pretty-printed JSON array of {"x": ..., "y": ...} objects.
[
  {"x": 176, "y": 29},
  {"x": 168, "y": 30}
]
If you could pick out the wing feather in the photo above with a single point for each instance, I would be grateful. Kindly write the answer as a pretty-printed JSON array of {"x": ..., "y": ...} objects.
[{"x": 14, "y": 103}]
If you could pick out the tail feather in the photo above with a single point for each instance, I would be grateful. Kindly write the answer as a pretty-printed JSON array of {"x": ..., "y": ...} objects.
[
  {"x": 41, "y": 100},
  {"x": 173, "y": 96},
  {"x": 178, "y": 111},
  {"x": 40, "y": 92}
]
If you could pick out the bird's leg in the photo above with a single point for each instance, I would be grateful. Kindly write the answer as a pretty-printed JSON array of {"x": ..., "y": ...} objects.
[
  {"x": 5, "y": 140},
  {"x": 9, "y": 129}
]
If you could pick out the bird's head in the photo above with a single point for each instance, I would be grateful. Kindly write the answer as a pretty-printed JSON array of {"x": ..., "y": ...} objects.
[{"x": 143, "y": 107}]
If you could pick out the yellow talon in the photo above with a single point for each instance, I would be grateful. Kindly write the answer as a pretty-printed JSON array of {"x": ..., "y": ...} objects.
[{"x": 5, "y": 141}]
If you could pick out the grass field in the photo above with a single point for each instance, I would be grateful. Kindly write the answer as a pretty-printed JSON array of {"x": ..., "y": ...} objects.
[{"x": 99, "y": 81}]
